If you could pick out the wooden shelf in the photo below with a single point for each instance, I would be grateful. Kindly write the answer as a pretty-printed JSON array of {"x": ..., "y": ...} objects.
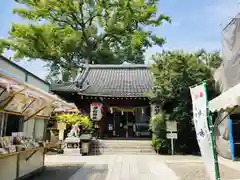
[
  {"x": 2, "y": 156},
  {"x": 31, "y": 149},
  {"x": 50, "y": 145}
]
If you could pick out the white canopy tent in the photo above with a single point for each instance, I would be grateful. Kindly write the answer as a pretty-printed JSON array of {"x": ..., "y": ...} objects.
[
  {"x": 27, "y": 100},
  {"x": 229, "y": 101}
]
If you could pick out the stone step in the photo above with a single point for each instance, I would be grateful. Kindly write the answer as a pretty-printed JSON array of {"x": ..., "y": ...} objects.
[
  {"x": 124, "y": 146},
  {"x": 124, "y": 150},
  {"x": 122, "y": 143},
  {"x": 128, "y": 153},
  {"x": 127, "y": 150},
  {"x": 120, "y": 146},
  {"x": 125, "y": 141}
]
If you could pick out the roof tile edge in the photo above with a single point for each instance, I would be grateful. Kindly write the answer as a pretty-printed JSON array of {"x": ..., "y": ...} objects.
[{"x": 117, "y": 66}]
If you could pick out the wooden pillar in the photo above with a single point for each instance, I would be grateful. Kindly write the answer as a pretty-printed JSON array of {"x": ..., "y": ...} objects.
[
  {"x": 101, "y": 128},
  {"x": 102, "y": 122}
]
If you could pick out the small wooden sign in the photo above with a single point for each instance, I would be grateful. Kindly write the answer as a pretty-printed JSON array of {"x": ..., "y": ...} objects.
[
  {"x": 172, "y": 136},
  {"x": 61, "y": 126}
]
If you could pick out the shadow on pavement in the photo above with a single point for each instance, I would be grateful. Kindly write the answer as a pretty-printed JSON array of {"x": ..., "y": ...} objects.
[
  {"x": 58, "y": 172},
  {"x": 67, "y": 172}
]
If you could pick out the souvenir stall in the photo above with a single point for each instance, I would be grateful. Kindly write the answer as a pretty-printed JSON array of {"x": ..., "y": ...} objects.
[{"x": 24, "y": 112}]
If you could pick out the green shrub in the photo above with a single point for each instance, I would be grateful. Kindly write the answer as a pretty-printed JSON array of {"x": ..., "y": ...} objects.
[
  {"x": 76, "y": 119},
  {"x": 155, "y": 143},
  {"x": 158, "y": 127}
]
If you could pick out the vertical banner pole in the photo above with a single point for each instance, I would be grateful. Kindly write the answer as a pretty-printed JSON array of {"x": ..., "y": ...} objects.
[{"x": 216, "y": 166}]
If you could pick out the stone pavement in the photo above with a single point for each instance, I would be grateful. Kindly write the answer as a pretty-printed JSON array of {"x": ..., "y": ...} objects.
[
  {"x": 192, "y": 168},
  {"x": 117, "y": 167},
  {"x": 232, "y": 164},
  {"x": 133, "y": 167}
]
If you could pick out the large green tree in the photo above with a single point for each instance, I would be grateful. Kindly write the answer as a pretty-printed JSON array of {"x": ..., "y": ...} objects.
[
  {"x": 211, "y": 59},
  {"x": 66, "y": 33},
  {"x": 174, "y": 73}
]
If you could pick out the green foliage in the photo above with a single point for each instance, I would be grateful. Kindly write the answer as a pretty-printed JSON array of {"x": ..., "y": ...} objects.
[
  {"x": 75, "y": 119},
  {"x": 158, "y": 127},
  {"x": 157, "y": 124},
  {"x": 66, "y": 33},
  {"x": 174, "y": 73},
  {"x": 211, "y": 59}
]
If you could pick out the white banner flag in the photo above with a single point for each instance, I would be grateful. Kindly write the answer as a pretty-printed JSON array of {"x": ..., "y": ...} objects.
[{"x": 199, "y": 102}]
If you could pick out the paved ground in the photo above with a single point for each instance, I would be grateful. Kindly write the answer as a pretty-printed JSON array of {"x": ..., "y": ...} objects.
[
  {"x": 59, "y": 172},
  {"x": 192, "y": 168},
  {"x": 118, "y": 167},
  {"x": 131, "y": 167}
]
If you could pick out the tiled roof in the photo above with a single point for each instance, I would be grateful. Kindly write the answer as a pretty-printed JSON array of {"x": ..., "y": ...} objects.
[
  {"x": 67, "y": 87},
  {"x": 126, "y": 80}
]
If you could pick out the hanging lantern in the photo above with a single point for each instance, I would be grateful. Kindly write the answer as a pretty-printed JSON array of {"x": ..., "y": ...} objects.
[
  {"x": 142, "y": 110},
  {"x": 96, "y": 111},
  {"x": 122, "y": 113}
]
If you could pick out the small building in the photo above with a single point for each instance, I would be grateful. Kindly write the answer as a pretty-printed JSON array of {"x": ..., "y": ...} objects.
[
  {"x": 122, "y": 92},
  {"x": 11, "y": 68}
]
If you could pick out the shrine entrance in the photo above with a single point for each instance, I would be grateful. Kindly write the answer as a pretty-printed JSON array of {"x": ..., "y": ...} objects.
[{"x": 120, "y": 124}]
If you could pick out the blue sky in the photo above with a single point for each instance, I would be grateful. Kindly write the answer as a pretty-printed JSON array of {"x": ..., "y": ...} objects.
[{"x": 195, "y": 25}]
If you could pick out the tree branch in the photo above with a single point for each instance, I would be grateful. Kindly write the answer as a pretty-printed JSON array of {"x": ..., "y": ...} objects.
[
  {"x": 63, "y": 21},
  {"x": 90, "y": 20}
]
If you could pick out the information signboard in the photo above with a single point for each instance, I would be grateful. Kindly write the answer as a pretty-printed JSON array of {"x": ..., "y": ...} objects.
[
  {"x": 171, "y": 126},
  {"x": 172, "y": 136}
]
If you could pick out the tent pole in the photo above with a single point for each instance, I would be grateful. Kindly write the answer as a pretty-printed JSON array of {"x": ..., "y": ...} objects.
[{"x": 231, "y": 139}]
